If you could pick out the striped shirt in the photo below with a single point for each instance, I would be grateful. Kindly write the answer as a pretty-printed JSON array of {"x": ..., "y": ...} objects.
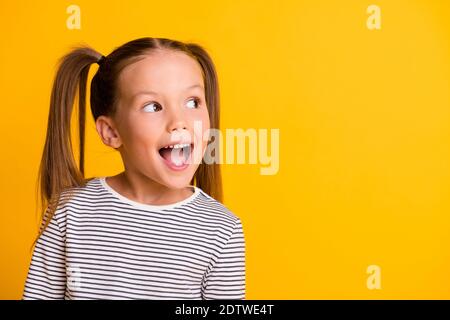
[{"x": 102, "y": 245}]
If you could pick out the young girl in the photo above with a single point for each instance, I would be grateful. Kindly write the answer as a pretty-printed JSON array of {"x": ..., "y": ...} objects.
[{"x": 157, "y": 230}]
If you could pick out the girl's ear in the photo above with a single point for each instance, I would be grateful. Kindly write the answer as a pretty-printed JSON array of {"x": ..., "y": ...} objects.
[{"x": 107, "y": 131}]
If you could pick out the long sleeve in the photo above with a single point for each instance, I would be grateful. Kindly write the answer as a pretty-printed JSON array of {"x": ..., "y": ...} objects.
[
  {"x": 226, "y": 277},
  {"x": 46, "y": 277}
]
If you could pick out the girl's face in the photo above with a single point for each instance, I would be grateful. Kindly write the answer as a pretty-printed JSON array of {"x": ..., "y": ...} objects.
[{"x": 160, "y": 98}]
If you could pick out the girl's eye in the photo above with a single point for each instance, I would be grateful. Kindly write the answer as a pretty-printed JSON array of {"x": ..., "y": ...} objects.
[
  {"x": 193, "y": 103},
  {"x": 152, "y": 107}
]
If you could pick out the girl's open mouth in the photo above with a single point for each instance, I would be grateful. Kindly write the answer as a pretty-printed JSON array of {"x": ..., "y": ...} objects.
[{"x": 178, "y": 156}]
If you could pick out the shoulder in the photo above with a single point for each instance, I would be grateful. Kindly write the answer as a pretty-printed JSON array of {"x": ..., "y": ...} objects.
[
  {"x": 90, "y": 192},
  {"x": 207, "y": 205},
  {"x": 92, "y": 188}
]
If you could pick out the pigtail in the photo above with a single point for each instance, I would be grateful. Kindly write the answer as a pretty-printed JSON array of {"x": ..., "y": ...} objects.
[
  {"x": 58, "y": 169},
  {"x": 208, "y": 177}
]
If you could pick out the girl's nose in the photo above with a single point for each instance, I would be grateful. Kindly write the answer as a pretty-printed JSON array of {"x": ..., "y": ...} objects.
[
  {"x": 179, "y": 131},
  {"x": 177, "y": 126},
  {"x": 176, "y": 122}
]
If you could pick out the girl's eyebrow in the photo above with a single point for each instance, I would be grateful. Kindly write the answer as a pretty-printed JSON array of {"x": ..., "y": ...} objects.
[{"x": 155, "y": 93}]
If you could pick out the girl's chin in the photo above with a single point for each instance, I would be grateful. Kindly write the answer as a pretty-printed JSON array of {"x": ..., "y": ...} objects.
[
  {"x": 175, "y": 186},
  {"x": 174, "y": 181}
]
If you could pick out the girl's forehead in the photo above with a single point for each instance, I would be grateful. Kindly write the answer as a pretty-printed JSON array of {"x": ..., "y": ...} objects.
[
  {"x": 163, "y": 65},
  {"x": 162, "y": 71}
]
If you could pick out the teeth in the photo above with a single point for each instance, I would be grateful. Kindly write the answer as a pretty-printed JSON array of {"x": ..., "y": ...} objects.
[{"x": 176, "y": 146}]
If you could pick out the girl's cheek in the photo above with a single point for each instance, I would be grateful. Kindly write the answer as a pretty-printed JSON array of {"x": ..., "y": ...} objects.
[{"x": 138, "y": 139}]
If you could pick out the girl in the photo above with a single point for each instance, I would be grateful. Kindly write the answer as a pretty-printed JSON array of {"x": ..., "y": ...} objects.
[{"x": 157, "y": 230}]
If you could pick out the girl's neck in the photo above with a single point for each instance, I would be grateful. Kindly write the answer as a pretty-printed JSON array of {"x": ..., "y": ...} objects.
[{"x": 143, "y": 190}]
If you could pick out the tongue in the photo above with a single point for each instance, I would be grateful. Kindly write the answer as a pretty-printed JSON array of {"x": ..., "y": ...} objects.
[{"x": 174, "y": 156}]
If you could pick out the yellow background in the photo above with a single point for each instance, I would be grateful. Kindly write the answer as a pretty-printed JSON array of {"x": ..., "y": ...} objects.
[{"x": 364, "y": 119}]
